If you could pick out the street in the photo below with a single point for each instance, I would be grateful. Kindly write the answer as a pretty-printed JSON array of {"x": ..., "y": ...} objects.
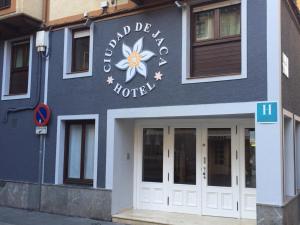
[{"x": 10, "y": 216}]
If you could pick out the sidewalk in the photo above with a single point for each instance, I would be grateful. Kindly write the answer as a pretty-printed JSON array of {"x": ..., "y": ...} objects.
[{"x": 9, "y": 216}]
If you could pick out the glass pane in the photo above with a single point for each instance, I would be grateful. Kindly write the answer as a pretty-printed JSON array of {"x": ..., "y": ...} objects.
[
  {"x": 89, "y": 151},
  {"x": 185, "y": 156},
  {"x": 219, "y": 157},
  {"x": 20, "y": 56},
  {"x": 74, "y": 151},
  {"x": 153, "y": 155},
  {"x": 250, "y": 163},
  {"x": 204, "y": 23},
  {"x": 81, "y": 54},
  {"x": 230, "y": 21}
]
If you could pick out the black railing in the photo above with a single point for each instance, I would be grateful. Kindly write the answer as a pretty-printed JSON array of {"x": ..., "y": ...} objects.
[{"x": 4, "y": 4}]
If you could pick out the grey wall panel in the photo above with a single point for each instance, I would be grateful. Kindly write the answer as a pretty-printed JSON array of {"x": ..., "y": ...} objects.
[{"x": 290, "y": 46}]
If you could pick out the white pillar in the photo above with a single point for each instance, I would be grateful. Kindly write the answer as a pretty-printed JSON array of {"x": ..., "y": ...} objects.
[{"x": 269, "y": 136}]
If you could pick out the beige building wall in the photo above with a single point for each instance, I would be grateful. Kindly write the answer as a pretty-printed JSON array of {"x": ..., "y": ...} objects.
[
  {"x": 34, "y": 8},
  {"x": 59, "y": 9}
]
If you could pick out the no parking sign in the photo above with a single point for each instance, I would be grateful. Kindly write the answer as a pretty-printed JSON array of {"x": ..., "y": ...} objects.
[{"x": 42, "y": 115}]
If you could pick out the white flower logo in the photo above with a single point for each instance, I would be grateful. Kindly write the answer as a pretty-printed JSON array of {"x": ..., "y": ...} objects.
[{"x": 134, "y": 60}]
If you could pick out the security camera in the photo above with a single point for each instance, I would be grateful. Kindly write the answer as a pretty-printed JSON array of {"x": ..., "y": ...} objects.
[{"x": 179, "y": 4}]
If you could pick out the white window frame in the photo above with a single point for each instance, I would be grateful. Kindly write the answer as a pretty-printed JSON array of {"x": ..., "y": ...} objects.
[
  {"x": 6, "y": 71},
  {"x": 68, "y": 39},
  {"x": 186, "y": 48},
  {"x": 60, "y": 145}
]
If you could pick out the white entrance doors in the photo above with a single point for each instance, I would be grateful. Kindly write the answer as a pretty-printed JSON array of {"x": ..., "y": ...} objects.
[{"x": 197, "y": 167}]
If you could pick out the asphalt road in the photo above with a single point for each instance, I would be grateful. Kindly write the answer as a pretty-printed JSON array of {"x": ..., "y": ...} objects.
[{"x": 10, "y": 216}]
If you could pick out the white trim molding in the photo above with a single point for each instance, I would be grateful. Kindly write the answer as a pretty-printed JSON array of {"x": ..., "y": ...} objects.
[
  {"x": 186, "y": 49},
  {"x": 67, "y": 74},
  {"x": 6, "y": 71},
  {"x": 60, "y": 140}
]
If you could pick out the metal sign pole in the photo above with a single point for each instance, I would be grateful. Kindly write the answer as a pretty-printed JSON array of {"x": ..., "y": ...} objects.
[
  {"x": 41, "y": 154},
  {"x": 41, "y": 119}
]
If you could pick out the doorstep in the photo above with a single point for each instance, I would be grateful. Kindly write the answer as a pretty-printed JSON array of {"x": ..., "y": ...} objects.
[{"x": 148, "y": 217}]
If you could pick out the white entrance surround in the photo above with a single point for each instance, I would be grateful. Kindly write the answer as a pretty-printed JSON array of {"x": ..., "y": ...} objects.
[
  {"x": 223, "y": 109},
  {"x": 116, "y": 141},
  {"x": 60, "y": 140}
]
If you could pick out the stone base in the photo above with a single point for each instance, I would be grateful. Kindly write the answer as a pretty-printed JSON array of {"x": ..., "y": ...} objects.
[
  {"x": 77, "y": 201},
  {"x": 19, "y": 195},
  {"x": 273, "y": 215},
  {"x": 58, "y": 199}
]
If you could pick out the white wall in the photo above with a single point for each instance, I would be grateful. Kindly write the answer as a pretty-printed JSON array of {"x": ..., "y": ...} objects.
[{"x": 122, "y": 193}]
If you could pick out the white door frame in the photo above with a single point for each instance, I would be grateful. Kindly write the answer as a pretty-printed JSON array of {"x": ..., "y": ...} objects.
[{"x": 199, "y": 124}]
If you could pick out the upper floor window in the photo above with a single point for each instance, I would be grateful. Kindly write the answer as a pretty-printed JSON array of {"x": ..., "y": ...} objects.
[
  {"x": 17, "y": 61},
  {"x": 4, "y": 3},
  {"x": 18, "y": 83},
  {"x": 216, "y": 40},
  {"x": 78, "y": 51}
]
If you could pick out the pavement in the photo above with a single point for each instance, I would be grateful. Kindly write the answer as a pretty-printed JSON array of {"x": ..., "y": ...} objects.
[{"x": 10, "y": 216}]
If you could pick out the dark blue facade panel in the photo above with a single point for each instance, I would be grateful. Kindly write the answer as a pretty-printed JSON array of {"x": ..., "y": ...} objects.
[
  {"x": 93, "y": 95},
  {"x": 19, "y": 146}
]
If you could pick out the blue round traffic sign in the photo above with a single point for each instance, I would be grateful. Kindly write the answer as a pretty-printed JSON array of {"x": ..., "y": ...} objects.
[{"x": 42, "y": 115}]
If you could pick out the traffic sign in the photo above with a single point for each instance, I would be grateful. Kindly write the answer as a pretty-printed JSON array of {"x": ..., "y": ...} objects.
[
  {"x": 42, "y": 115},
  {"x": 267, "y": 112}
]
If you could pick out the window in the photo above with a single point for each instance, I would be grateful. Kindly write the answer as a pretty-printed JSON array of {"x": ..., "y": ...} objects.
[
  {"x": 79, "y": 152},
  {"x": 4, "y": 4},
  {"x": 18, "y": 83},
  {"x": 216, "y": 40},
  {"x": 78, "y": 52},
  {"x": 17, "y": 60}
]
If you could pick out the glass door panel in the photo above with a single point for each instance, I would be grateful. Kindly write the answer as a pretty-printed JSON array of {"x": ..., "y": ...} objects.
[
  {"x": 250, "y": 163},
  {"x": 219, "y": 157},
  {"x": 153, "y": 155},
  {"x": 185, "y": 156}
]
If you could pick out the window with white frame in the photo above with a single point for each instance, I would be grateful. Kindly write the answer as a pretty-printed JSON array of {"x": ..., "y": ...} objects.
[
  {"x": 214, "y": 41},
  {"x": 77, "y": 150},
  {"x": 78, "y": 52},
  {"x": 17, "y": 62}
]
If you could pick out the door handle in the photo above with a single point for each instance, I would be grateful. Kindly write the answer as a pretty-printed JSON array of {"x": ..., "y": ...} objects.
[{"x": 204, "y": 173}]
